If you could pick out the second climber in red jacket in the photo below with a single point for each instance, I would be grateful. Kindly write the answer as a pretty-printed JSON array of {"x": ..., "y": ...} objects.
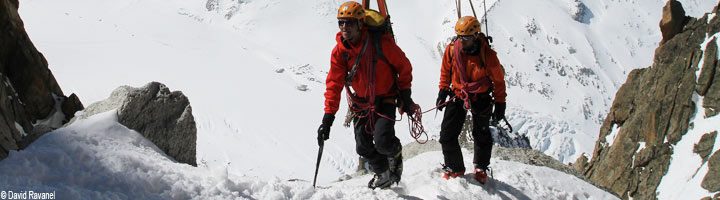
[
  {"x": 375, "y": 87},
  {"x": 471, "y": 72}
]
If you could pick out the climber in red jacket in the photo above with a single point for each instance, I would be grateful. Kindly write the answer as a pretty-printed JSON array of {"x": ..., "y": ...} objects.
[
  {"x": 471, "y": 72},
  {"x": 375, "y": 86}
]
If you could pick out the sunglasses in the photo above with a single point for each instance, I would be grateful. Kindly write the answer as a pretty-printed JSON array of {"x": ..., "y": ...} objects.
[
  {"x": 347, "y": 22},
  {"x": 465, "y": 37}
]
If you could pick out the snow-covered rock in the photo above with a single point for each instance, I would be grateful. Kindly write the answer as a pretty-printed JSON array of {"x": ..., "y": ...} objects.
[{"x": 164, "y": 117}]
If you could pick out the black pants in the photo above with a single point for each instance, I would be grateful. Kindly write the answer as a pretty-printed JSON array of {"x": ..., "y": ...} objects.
[
  {"x": 381, "y": 143},
  {"x": 452, "y": 125}
]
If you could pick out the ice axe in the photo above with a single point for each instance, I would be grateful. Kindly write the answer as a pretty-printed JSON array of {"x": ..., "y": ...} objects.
[
  {"x": 496, "y": 123},
  {"x": 321, "y": 143}
]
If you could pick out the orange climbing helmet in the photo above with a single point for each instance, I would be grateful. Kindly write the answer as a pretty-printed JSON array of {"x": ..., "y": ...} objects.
[
  {"x": 467, "y": 26},
  {"x": 353, "y": 10}
]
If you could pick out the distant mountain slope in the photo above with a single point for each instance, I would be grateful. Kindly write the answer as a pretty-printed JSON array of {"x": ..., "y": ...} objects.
[{"x": 564, "y": 59}]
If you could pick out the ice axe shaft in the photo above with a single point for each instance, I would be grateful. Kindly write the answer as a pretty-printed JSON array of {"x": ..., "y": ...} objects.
[{"x": 321, "y": 143}]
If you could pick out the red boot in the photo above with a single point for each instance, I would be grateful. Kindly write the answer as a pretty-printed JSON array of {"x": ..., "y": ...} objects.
[
  {"x": 449, "y": 173},
  {"x": 480, "y": 175}
]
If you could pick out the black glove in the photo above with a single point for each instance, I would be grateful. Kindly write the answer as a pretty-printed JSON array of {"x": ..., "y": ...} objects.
[
  {"x": 499, "y": 111},
  {"x": 324, "y": 130},
  {"x": 407, "y": 102},
  {"x": 442, "y": 95}
]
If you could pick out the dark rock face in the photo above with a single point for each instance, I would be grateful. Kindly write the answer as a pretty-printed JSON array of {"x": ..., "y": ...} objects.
[
  {"x": 28, "y": 90},
  {"x": 161, "y": 116},
  {"x": 655, "y": 106},
  {"x": 71, "y": 105}
]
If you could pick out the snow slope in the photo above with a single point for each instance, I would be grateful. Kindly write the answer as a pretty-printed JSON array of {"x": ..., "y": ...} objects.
[
  {"x": 98, "y": 158},
  {"x": 254, "y": 70}
]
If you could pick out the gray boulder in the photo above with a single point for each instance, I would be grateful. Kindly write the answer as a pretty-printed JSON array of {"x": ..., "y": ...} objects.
[{"x": 163, "y": 117}]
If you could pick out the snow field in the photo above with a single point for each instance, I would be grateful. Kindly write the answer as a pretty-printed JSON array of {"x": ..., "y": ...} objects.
[{"x": 98, "y": 158}]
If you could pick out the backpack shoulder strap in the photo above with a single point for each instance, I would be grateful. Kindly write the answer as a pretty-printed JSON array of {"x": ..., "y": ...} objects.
[
  {"x": 379, "y": 53},
  {"x": 451, "y": 54},
  {"x": 353, "y": 70}
]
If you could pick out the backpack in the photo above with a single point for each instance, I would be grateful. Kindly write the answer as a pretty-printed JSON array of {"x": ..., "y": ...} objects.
[{"x": 378, "y": 25}]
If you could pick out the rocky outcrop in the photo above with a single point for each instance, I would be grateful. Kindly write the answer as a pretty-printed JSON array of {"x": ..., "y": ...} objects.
[
  {"x": 29, "y": 94},
  {"x": 710, "y": 73},
  {"x": 705, "y": 146},
  {"x": 654, "y": 107},
  {"x": 71, "y": 105},
  {"x": 581, "y": 13},
  {"x": 510, "y": 139},
  {"x": 711, "y": 182},
  {"x": 580, "y": 163},
  {"x": 673, "y": 20},
  {"x": 163, "y": 117}
]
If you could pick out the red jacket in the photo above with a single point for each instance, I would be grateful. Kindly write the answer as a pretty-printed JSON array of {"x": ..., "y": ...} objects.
[
  {"x": 383, "y": 73},
  {"x": 492, "y": 72}
]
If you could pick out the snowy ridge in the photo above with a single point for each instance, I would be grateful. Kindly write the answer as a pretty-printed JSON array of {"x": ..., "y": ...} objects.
[
  {"x": 562, "y": 73},
  {"x": 98, "y": 158}
]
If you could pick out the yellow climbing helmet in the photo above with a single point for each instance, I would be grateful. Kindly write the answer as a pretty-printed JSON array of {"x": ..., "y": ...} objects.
[{"x": 467, "y": 25}]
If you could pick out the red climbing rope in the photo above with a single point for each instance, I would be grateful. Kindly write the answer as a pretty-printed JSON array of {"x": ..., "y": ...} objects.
[{"x": 415, "y": 124}]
